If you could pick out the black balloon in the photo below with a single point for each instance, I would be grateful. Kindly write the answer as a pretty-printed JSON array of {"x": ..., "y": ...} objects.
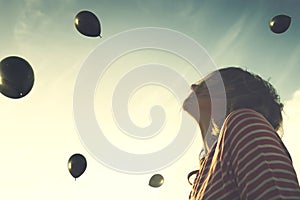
[
  {"x": 156, "y": 180},
  {"x": 280, "y": 23},
  {"x": 88, "y": 24},
  {"x": 16, "y": 77},
  {"x": 77, "y": 165}
]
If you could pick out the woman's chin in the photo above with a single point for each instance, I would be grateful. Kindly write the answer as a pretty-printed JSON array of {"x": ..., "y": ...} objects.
[{"x": 193, "y": 113}]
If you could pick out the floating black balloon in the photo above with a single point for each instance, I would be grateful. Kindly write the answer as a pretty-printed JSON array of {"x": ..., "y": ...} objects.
[
  {"x": 156, "y": 180},
  {"x": 16, "y": 77},
  {"x": 280, "y": 23},
  {"x": 77, "y": 165},
  {"x": 88, "y": 24}
]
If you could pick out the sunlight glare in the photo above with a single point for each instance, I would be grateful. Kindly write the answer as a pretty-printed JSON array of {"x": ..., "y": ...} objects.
[
  {"x": 76, "y": 21},
  {"x": 69, "y": 165}
]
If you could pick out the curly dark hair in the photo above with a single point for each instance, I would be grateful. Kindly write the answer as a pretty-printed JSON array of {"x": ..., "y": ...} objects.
[{"x": 247, "y": 90}]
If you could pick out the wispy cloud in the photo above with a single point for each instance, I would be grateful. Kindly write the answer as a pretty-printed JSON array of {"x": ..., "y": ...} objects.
[
  {"x": 29, "y": 16},
  {"x": 229, "y": 38},
  {"x": 292, "y": 62}
]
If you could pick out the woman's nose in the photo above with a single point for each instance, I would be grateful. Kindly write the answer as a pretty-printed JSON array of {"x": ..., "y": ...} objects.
[{"x": 193, "y": 87}]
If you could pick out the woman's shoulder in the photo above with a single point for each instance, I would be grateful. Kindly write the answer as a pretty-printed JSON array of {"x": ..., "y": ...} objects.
[
  {"x": 246, "y": 124},
  {"x": 243, "y": 112},
  {"x": 246, "y": 115}
]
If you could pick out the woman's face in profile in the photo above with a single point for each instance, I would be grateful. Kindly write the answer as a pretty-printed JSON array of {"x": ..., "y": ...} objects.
[{"x": 199, "y": 107}]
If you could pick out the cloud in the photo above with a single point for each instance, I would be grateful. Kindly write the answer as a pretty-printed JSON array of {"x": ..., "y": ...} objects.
[
  {"x": 168, "y": 7},
  {"x": 43, "y": 23},
  {"x": 29, "y": 16},
  {"x": 291, "y": 136},
  {"x": 229, "y": 38}
]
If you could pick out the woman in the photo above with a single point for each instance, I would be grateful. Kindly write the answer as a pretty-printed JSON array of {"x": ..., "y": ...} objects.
[{"x": 244, "y": 156}]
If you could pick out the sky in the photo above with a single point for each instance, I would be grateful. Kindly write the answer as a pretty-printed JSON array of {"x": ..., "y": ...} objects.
[{"x": 40, "y": 133}]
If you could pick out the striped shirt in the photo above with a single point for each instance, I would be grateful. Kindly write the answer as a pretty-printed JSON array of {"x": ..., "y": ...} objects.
[{"x": 249, "y": 161}]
